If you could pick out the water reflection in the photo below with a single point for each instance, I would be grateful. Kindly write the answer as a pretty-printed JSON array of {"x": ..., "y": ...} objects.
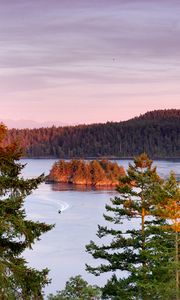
[{"x": 79, "y": 187}]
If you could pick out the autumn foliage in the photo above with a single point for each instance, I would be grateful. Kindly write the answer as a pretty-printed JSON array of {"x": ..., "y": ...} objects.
[{"x": 96, "y": 173}]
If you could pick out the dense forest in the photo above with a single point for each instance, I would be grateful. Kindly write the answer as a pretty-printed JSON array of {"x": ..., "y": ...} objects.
[
  {"x": 156, "y": 133},
  {"x": 95, "y": 173}
]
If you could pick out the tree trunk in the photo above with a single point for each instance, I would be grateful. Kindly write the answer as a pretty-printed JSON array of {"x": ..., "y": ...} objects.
[
  {"x": 144, "y": 296},
  {"x": 177, "y": 265}
]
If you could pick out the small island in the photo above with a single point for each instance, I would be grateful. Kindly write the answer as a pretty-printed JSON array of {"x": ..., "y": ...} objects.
[{"x": 80, "y": 172}]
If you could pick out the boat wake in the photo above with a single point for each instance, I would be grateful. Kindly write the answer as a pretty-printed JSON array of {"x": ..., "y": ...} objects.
[
  {"x": 45, "y": 203},
  {"x": 58, "y": 204},
  {"x": 63, "y": 205}
]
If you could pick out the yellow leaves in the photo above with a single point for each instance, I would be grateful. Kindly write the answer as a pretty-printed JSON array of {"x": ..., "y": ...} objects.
[
  {"x": 176, "y": 227},
  {"x": 170, "y": 210}
]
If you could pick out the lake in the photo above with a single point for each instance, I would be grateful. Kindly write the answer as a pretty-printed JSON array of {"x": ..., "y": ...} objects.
[{"x": 62, "y": 250}]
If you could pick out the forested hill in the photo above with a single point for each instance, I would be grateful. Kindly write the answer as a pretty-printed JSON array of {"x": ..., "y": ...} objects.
[
  {"x": 161, "y": 114},
  {"x": 156, "y": 132}
]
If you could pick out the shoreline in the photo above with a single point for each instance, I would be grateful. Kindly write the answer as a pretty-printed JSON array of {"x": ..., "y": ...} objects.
[{"x": 100, "y": 158}]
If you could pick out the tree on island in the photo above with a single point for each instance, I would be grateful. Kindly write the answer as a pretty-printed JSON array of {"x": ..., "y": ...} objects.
[
  {"x": 17, "y": 280},
  {"x": 142, "y": 246},
  {"x": 95, "y": 172}
]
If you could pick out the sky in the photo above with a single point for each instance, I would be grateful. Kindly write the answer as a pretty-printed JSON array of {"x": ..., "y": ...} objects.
[{"x": 86, "y": 61}]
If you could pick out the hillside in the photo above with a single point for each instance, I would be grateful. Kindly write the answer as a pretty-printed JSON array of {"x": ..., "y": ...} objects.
[
  {"x": 156, "y": 132},
  {"x": 161, "y": 114}
]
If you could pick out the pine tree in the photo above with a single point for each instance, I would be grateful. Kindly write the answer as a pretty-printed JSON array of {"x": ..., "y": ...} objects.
[
  {"x": 169, "y": 208},
  {"x": 97, "y": 172},
  {"x": 139, "y": 245},
  {"x": 17, "y": 280},
  {"x": 77, "y": 289}
]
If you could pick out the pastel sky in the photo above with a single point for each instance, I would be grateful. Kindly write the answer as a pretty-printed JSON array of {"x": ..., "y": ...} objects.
[{"x": 85, "y": 61}]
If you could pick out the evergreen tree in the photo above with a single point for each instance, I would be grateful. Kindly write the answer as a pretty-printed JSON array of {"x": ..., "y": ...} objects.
[
  {"x": 97, "y": 172},
  {"x": 17, "y": 280},
  {"x": 169, "y": 208},
  {"x": 139, "y": 245},
  {"x": 77, "y": 289}
]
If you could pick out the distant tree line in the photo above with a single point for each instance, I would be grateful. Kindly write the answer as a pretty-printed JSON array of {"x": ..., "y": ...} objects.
[
  {"x": 95, "y": 173},
  {"x": 156, "y": 133}
]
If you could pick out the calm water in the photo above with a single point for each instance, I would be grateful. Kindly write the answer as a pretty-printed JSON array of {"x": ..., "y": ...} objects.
[{"x": 62, "y": 249}]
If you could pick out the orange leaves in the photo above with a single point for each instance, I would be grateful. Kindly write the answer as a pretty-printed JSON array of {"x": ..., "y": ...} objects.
[
  {"x": 143, "y": 161},
  {"x": 170, "y": 210}
]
